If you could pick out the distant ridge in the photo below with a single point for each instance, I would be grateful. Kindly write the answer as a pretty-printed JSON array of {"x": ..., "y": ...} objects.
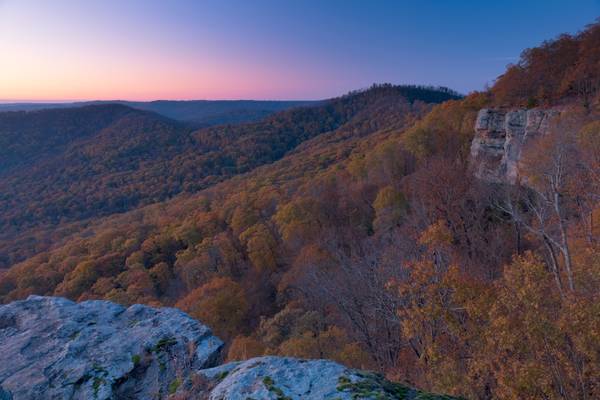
[{"x": 198, "y": 113}]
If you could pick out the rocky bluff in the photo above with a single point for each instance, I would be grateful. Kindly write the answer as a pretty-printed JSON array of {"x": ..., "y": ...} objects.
[
  {"x": 53, "y": 348},
  {"x": 500, "y": 137}
]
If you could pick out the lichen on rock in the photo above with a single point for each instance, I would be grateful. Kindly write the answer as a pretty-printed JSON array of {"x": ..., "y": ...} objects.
[{"x": 286, "y": 378}]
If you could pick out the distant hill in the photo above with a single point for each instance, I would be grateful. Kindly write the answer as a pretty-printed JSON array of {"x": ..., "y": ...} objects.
[
  {"x": 198, "y": 113},
  {"x": 68, "y": 165}
]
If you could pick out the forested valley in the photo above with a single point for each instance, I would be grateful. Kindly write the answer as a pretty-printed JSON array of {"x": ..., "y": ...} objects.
[{"x": 62, "y": 167}]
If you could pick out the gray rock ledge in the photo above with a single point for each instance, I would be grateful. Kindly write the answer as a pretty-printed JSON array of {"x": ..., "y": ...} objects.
[{"x": 53, "y": 348}]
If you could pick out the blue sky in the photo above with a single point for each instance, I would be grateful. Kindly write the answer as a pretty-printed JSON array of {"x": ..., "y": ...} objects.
[{"x": 265, "y": 49}]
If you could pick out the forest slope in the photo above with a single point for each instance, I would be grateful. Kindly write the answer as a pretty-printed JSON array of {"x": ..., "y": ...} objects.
[
  {"x": 387, "y": 113},
  {"x": 68, "y": 166}
]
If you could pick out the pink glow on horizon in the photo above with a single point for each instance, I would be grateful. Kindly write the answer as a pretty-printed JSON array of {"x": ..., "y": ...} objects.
[
  {"x": 264, "y": 49},
  {"x": 69, "y": 51},
  {"x": 130, "y": 79}
]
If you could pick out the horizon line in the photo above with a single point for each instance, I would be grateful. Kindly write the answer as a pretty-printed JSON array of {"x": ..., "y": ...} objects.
[{"x": 69, "y": 101}]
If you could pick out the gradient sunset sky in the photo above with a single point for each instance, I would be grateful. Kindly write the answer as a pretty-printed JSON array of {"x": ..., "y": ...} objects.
[{"x": 264, "y": 49}]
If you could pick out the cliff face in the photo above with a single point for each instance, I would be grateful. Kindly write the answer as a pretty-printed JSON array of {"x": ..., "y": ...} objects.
[
  {"x": 500, "y": 137},
  {"x": 53, "y": 348}
]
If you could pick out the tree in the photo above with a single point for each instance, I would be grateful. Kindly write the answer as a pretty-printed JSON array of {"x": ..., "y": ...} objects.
[
  {"x": 390, "y": 207},
  {"x": 261, "y": 247},
  {"x": 533, "y": 340},
  {"x": 244, "y": 347},
  {"x": 548, "y": 172},
  {"x": 587, "y": 184},
  {"x": 221, "y": 304}
]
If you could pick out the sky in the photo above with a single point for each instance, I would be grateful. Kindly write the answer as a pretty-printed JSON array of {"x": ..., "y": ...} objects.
[{"x": 64, "y": 50}]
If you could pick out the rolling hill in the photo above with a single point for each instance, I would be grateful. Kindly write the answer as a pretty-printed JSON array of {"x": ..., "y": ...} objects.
[
  {"x": 67, "y": 166},
  {"x": 196, "y": 113}
]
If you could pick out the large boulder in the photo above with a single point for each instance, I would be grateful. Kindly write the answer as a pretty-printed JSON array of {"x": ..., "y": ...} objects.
[
  {"x": 53, "y": 348},
  {"x": 500, "y": 137}
]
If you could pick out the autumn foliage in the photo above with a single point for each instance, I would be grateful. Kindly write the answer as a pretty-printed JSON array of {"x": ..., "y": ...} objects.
[{"x": 563, "y": 68}]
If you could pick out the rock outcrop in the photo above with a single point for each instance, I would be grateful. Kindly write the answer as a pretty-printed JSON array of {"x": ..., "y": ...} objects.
[
  {"x": 285, "y": 378},
  {"x": 53, "y": 348},
  {"x": 500, "y": 137}
]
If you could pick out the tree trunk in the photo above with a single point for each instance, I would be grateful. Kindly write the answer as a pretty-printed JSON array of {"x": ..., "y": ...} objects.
[
  {"x": 564, "y": 248},
  {"x": 554, "y": 265}
]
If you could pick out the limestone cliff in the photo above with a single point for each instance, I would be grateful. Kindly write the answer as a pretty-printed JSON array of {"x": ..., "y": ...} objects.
[
  {"x": 500, "y": 137},
  {"x": 53, "y": 348}
]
